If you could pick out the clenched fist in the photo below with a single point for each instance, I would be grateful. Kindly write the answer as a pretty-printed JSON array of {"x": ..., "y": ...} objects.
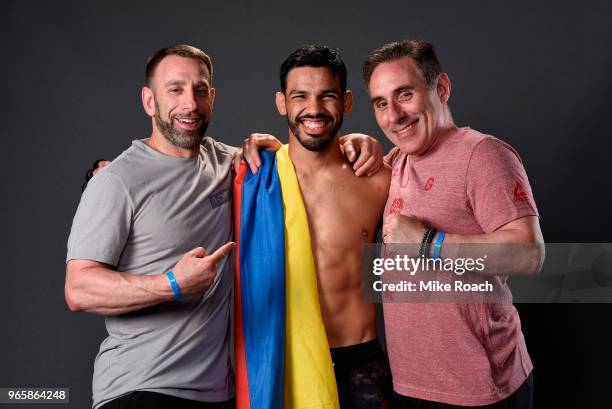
[{"x": 402, "y": 229}]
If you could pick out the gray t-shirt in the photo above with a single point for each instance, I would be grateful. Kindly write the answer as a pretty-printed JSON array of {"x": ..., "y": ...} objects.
[{"x": 141, "y": 214}]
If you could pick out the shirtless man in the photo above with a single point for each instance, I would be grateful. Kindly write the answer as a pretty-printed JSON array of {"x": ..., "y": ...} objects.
[{"x": 343, "y": 213}]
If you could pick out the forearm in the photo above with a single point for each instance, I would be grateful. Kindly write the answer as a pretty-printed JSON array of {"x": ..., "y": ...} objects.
[
  {"x": 100, "y": 290},
  {"x": 509, "y": 250}
]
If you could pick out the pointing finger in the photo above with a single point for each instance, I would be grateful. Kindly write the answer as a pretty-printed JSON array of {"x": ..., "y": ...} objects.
[{"x": 221, "y": 252}]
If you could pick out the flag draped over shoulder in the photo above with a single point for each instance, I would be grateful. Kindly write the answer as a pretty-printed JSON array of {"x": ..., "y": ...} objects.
[{"x": 282, "y": 357}]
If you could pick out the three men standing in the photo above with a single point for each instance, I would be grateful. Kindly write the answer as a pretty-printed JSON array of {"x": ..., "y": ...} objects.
[{"x": 168, "y": 197}]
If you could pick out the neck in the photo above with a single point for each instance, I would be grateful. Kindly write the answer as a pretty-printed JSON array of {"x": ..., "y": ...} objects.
[
  {"x": 159, "y": 142},
  {"x": 306, "y": 160},
  {"x": 444, "y": 128},
  {"x": 449, "y": 127}
]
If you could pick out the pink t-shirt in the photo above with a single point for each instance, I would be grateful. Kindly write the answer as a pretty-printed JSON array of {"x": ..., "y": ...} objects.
[{"x": 459, "y": 354}]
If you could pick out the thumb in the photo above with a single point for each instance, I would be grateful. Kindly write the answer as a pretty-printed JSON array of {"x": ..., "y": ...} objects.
[
  {"x": 390, "y": 217},
  {"x": 221, "y": 252},
  {"x": 198, "y": 252}
]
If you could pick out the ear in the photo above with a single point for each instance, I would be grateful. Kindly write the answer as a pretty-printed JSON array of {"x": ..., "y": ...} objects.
[
  {"x": 443, "y": 87},
  {"x": 148, "y": 100},
  {"x": 212, "y": 97},
  {"x": 280, "y": 103},
  {"x": 348, "y": 102}
]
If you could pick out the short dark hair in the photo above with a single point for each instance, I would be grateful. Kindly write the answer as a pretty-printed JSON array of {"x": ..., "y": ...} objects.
[
  {"x": 421, "y": 52},
  {"x": 314, "y": 56},
  {"x": 182, "y": 50}
]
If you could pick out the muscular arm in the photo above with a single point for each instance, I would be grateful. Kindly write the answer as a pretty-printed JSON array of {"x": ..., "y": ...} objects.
[{"x": 94, "y": 287}]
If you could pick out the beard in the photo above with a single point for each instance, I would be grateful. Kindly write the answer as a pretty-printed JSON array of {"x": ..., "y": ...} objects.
[
  {"x": 314, "y": 143},
  {"x": 186, "y": 139}
]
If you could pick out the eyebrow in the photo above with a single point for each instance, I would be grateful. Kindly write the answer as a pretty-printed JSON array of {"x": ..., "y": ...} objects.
[
  {"x": 331, "y": 91},
  {"x": 173, "y": 83},
  {"x": 325, "y": 91},
  {"x": 397, "y": 90}
]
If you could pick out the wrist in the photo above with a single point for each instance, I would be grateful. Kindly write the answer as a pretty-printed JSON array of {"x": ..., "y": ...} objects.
[
  {"x": 426, "y": 243},
  {"x": 176, "y": 289},
  {"x": 437, "y": 244},
  {"x": 163, "y": 287}
]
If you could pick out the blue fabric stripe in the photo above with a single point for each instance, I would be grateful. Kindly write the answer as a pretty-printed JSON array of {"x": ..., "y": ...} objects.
[{"x": 262, "y": 283}]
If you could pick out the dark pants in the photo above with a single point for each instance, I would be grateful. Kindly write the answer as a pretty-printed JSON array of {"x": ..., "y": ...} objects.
[
  {"x": 522, "y": 398},
  {"x": 363, "y": 376},
  {"x": 154, "y": 400}
]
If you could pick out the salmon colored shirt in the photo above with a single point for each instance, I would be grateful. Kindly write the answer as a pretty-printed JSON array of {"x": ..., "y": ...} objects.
[{"x": 459, "y": 354}]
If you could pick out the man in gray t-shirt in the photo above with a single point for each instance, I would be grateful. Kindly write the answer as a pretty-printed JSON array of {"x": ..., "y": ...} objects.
[{"x": 136, "y": 251}]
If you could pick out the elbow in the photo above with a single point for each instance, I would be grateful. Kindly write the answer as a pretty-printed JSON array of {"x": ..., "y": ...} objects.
[
  {"x": 72, "y": 299},
  {"x": 542, "y": 256},
  {"x": 536, "y": 256},
  {"x": 72, "y": 293}
]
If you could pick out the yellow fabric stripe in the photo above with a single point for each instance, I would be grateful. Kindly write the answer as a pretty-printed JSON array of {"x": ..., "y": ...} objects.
[{"x": 309, "y": 373}]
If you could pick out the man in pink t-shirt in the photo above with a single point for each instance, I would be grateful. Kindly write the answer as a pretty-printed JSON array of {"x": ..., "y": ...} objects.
[{"x": 472, "y": 187}]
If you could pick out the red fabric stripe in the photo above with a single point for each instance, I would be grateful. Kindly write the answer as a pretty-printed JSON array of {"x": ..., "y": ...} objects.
[{"x": 242, "y": 382}]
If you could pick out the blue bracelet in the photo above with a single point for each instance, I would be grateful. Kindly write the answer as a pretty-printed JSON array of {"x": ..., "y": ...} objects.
[
  {"x": 175, "y": 287},
  {"x": 438, "y": 245}
]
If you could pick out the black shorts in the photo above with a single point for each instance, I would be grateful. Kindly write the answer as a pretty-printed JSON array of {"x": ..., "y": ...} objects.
[
  {"x": 154, "y": 400},
  {"x": 362, "y": 375}
]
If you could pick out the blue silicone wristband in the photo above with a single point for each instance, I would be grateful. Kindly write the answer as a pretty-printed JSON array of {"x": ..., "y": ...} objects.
[
  {"x": 438, "y": 244},
  {"x": 175, "y": 287}
]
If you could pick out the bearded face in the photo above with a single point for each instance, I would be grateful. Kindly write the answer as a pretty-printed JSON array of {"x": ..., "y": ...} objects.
[
  {"x": 184, "y": 130},
  {"x": 315, "y": 105},
  {"x": 180, "y": 100},
  {"x": 315, "y": 132}
]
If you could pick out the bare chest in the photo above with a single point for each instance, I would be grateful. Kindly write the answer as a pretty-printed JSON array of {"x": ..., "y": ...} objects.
[{"x": 339, "y": 213}]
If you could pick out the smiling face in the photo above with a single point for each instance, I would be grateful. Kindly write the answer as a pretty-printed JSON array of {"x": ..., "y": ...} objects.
[
  {"x": 180, "y": 100},
  {"x": 314, "y": 104},
  {"x": 409, "y": 113}
]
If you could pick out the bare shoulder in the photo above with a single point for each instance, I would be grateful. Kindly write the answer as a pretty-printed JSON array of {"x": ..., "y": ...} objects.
[
  {"x": 378, "y": 182},
  {"x": 373, "y": 188}
]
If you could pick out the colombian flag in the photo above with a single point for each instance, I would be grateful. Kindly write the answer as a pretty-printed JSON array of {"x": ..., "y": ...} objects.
[{"x": 282, "y": 357}]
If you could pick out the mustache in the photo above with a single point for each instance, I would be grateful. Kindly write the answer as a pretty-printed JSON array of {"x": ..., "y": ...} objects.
[
  {"x": 403, "y": 122},
  {"x": 317, "y": 116},
  {"x": 195, "y": 116}
]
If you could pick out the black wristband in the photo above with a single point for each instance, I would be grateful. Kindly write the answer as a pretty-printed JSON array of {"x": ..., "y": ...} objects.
[{"x": 426, "y": 242}]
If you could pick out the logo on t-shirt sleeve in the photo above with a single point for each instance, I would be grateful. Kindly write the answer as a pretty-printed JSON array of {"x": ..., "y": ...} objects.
[{"x": 519, "y": 193}]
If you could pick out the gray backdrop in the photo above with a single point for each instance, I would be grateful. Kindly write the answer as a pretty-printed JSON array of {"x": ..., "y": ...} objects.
[{"x": 535, "y": 75}]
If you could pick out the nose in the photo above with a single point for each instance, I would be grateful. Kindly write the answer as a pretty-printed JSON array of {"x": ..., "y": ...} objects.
[
  {"x": 395, "y": 112},
  {"x": 314, "y": 106},
  {"x": 188, "y": 100}
]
